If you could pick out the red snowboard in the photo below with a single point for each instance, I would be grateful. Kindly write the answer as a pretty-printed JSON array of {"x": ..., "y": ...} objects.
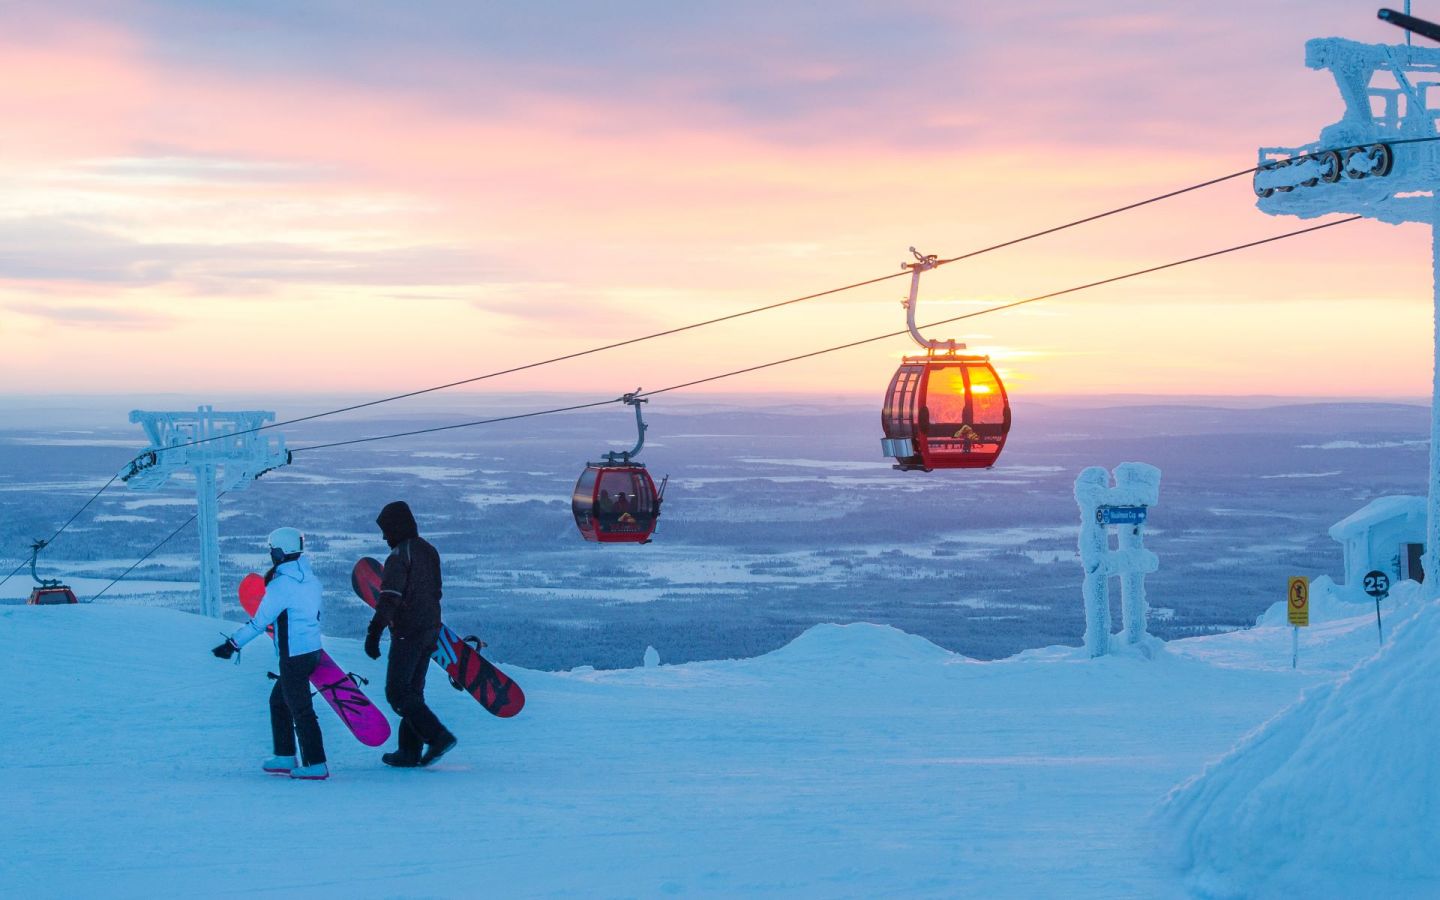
[
  {"x": 340, "y": 690},
  {"x": 468, "y": 670}
]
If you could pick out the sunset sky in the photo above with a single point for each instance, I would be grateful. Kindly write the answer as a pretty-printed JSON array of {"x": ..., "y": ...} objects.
[{"x": 372, "y": 197}]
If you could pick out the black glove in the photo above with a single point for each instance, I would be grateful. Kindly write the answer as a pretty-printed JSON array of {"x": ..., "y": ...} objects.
[
  {"x": 372, "y": 640},
  {"x": 227, "y": 649}
]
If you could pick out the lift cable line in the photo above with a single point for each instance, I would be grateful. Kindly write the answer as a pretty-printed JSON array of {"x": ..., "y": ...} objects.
[
  {"x": 1011, "y": 305},
  {"x": 576, "y": 355},
  {"x": 1106, "y": 214},
  {"x": 149, "y": 553},
  {"x": 870, "y": 340},
  {"x": 1156, "y": 199},
  {"x": 386, "y": 437},
  {"x": 675, "y": 387},
  {"x": 496, "y": 374},
  {"x": 46, "y": 542},
  {"x": 759, "y": 309}
]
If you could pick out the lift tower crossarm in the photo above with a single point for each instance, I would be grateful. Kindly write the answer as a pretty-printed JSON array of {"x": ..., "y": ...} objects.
[{"x": 222, "y": 451}]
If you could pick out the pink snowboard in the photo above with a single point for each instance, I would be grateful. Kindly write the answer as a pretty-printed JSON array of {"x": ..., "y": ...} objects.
[{"x": 340, "y": 690}]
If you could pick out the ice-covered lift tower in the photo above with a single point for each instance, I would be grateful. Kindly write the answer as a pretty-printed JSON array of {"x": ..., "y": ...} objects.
[
  {"x": 224, "y": 451},
  {"x": 1370, "y": 163}
]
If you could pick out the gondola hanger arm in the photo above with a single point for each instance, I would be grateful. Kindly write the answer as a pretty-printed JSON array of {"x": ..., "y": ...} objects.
[{"x": 923, "y": 262}]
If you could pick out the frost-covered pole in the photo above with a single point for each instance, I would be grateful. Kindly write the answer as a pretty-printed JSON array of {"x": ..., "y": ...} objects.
[
  {"x": 1381, "y": 161},
  {"x": 1431, "y": 562},
  {"x": 1094, "y": 558},
  {"x": 208, "y": 520},
  {"x": 1135, "y": 481}
]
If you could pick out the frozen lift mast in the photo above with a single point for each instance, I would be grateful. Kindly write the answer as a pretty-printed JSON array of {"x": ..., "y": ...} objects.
[
  {"x": 1381, "y": 161},
  {"x": 224, "y": 451}
]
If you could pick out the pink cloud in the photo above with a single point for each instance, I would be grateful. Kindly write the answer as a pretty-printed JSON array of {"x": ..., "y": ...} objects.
[{"x": 674, "y": 204}]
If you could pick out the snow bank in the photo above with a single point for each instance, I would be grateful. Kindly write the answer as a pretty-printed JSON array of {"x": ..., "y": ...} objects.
[
  {"x": 1328, "y": 603},
  {"x": 830, "y": 645},
  {"x": 1339, "y": 795}
]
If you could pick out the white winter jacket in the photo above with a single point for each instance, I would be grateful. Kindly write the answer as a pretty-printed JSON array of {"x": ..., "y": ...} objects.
[{"x": 294, "y": 592}]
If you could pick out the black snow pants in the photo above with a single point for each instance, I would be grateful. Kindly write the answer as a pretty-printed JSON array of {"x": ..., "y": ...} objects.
[
  {"x": 405, "y": 691},
  {"x": 291, "y": 711}
]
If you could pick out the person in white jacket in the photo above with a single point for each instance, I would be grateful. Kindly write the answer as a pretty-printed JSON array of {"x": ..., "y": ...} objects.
[{"x": 292, "y": 604}]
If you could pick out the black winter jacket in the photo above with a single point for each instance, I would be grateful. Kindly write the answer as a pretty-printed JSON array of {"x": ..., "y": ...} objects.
[{"x": 409, "y": 602}]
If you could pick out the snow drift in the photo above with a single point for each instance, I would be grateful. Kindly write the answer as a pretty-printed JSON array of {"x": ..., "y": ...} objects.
[{"x": 1339, "y": 795}]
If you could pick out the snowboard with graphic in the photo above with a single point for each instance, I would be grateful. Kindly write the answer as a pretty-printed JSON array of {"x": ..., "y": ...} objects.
[
  {"x": 340, "y": 690},
  {"x": 459, "y": 657}
]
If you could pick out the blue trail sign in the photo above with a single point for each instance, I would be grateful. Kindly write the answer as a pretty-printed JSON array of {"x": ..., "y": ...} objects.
[{"x": 1121, "y": 515}]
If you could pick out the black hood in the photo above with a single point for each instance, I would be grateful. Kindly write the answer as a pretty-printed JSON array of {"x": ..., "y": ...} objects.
[{"x": 397, "y": 523}]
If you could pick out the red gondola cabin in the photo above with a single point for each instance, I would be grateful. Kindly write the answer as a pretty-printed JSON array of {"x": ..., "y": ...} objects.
[
  {"x": 616, "y": 504},
  {"x": 44, "y": 596},
  {"x": 945, "y": 412}
]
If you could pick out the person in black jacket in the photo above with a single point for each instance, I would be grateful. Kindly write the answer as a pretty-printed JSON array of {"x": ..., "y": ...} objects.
[{"x": 409, "y": 606}]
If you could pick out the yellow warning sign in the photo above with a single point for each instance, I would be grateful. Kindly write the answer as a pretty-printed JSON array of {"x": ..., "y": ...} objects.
[{"x": 1299, "y": 604}]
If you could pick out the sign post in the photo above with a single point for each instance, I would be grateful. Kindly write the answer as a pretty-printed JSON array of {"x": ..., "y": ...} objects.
[
  {"x": 1299, "y": 610},
  {"x": 1377, "y": 585},
  {"x": 1124, "y": 507}
]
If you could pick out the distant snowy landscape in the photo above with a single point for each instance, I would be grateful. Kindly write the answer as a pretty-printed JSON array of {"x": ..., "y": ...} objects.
[{"x": 778, "y": 516}]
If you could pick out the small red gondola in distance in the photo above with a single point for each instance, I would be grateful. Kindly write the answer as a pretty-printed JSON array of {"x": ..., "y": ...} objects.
[
  {"x": 944, "y": 410},
  {"x": 45, "y": 596},
  {"x": 615, "y": 501},
  {"x": 47, "y": 590}
]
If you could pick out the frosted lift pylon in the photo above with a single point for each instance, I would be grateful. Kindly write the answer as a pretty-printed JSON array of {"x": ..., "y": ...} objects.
[
  {"x": 946, "y": 409},
  {"x": 47, "y": 590},
  {"x": 615, "y": 500},
  {"x": 1410, "y": 23},
  {"x": 1390, "y": 108}
]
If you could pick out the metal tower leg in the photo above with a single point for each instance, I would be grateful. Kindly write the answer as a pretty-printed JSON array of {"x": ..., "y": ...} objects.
[
  {"x": 208, "y": 523},
  {"x": 1431, "y": 562}
]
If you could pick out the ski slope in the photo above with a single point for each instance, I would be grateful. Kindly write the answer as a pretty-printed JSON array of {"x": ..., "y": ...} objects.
[{"x": 856, "y": 761}]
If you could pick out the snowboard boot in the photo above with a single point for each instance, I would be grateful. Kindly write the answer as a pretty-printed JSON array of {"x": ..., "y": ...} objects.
[
  {"x": 279, "y": 765},
  {"x": 317, "y": 772},
  {"x": 438, "y": 749},
  {"x": 399, "y": 760}
]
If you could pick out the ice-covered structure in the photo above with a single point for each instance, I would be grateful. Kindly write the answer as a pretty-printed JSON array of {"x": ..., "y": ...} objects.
[
  {"x": 1387, "y": 535},
  {"x": 222, "y": 451},
  {"x": 1382, "y": 161},
  {"x": 1125, "y": 506}
]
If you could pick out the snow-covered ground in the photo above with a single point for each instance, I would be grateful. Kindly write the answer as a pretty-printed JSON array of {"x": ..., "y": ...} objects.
[{"x": 856, "y": 761}]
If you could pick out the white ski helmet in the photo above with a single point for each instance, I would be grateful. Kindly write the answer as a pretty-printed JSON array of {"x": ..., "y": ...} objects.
[{"x": 287, "y": 540}]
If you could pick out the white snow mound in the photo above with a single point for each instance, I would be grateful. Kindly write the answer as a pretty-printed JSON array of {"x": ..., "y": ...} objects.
[
  {"x": 1338, "y": 795},
  {"x": 830, "y": 644}
]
